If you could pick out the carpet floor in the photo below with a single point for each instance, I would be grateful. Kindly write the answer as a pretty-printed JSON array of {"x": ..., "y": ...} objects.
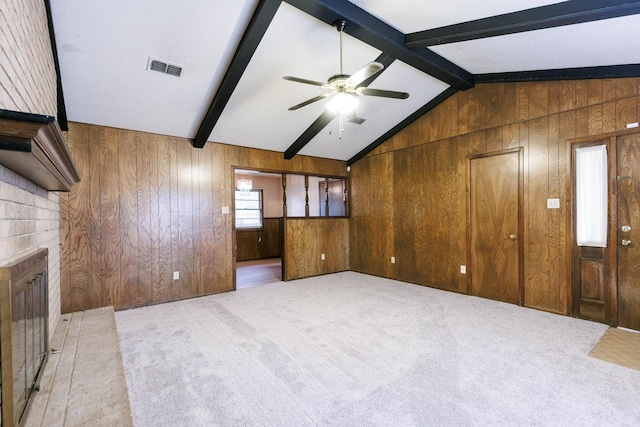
[{"x": 349, "y": 349}]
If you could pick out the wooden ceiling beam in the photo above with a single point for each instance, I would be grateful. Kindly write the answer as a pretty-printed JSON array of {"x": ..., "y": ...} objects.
[
  {"x": 444, "y": 95},
  {"x": 553, "y": 15},
  {"x": 375, "y": 32},
  {"x": 582, "y": 73},
  {"x": 260, "y": 21},
  {"x": 320, "y": 123}
]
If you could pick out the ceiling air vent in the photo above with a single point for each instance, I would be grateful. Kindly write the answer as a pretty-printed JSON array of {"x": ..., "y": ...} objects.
[{"x": 163, "y": 67}]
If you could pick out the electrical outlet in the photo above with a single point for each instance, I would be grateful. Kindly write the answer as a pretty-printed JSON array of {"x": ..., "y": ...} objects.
[
  {"x": 176, "y": 275},
  {"x": 322, "y": 257},
  {"x": 632, "y": 125},
  {"x": 393, "y": 260},
  {"x": 225, "y": 210},
  {"x": 463, "y": 269}
]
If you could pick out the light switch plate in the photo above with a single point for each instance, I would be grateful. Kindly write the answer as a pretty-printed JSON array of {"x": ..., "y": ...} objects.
[
  {"x": 225, "y": 209},
  {"x": 176, "y": 275},
  {"x": 553, "y": 203},
  {"x": 463, "y": 269},
  {"x": 393, "y": 260},
  {"x": 322, "y": 257}
]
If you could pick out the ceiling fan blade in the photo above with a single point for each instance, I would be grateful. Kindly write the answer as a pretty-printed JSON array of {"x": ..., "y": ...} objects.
[
  {"x": 310, "y": 101},
  {"x": 364, "y": 73},
  {"x": 382, "y": 93},
  {"x": 305, "y": 81}
]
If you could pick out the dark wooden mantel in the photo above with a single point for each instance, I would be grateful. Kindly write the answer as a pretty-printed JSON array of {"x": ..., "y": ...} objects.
[{"x": 32, "y": 145}]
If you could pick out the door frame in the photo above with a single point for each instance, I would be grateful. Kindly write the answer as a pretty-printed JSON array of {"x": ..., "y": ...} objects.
[
  {"x": 520, "y": 152},
  {"x": 610, "y": 255},
  {"x": 232, "y": 208},
  {"x": 611, "y": 291}
]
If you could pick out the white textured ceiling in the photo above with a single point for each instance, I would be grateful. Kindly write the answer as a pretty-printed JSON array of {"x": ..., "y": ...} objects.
[
  {"x": 308, "y": 49},
  {"x": 104, "y": 46},
  {"x": 589, "y": 44}
]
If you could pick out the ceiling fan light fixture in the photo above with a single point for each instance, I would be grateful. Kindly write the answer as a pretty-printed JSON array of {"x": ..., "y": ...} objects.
[{"x": 343, "y": 103}]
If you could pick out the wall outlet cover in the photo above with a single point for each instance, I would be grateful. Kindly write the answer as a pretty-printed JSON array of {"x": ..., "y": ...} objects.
[
  {"x": 225, "y": 209},
  {"x": 463, "y": 269},
  {"x": 176, "y": 275},
  {"x": 553, "y": 203}
]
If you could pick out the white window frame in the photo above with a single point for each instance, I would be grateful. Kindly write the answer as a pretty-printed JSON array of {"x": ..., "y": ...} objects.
[{"x": 238, "y": 197}]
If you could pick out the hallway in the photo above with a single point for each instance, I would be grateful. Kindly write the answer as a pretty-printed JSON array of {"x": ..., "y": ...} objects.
[{"x": 258, "y": 272}]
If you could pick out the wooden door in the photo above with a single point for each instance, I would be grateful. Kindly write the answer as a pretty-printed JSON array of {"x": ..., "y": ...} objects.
[
  {"x": 495, "y": 226},
  {"x": 592, "y": 265},
  {"x": 628, "y": 230}
]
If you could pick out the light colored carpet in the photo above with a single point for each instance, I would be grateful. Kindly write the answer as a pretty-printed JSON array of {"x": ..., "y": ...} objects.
[{"x": 354, "y": 350}]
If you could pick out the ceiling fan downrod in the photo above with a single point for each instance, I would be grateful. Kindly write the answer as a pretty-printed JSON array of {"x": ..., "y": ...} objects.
[{"x": 340, "y": 25}]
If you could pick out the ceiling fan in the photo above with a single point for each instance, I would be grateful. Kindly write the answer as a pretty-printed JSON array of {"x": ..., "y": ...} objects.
[{"x": 344, "y": 88}]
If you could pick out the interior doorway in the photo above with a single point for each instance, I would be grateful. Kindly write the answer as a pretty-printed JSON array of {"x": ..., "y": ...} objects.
[
  {"x": 258, "y": 223},
  {"x": 496, "y": 226},
  {"x": 606, "y": 279}
]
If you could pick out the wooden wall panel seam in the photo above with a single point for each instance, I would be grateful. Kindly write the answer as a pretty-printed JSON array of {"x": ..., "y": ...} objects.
[
  {"x": 540, "y": 117},
  {"x": 149, "y": 205}
]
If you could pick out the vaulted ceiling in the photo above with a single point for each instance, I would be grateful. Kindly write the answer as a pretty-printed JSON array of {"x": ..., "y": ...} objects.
[{"x": 234, "y": 53}]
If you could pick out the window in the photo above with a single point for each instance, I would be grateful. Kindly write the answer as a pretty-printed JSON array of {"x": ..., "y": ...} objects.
[
  {"x": 248, "y": 209},
  {"x": 591, "y": 196}
]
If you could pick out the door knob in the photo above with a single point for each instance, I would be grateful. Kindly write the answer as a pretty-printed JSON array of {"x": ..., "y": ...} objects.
[
  {"x": 513, "y": 236},
  {"x": 626, "y": 242}
]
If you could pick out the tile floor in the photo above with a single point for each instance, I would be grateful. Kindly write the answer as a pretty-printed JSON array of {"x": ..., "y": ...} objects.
[{"x": 83, "y": 382}]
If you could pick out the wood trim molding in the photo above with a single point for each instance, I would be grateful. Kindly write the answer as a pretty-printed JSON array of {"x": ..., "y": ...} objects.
[
  {"x": 62, "y": 109},
  {"x": 403, "y": 124},
  {"x": 33, "y": 146}
]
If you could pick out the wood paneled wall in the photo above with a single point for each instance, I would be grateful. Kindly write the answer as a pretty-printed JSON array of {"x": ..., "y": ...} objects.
[
  {"x": 149, "y": 205},
  {"x": 408, "y": 197},
  {"x": 307, "y": 239},
  {"x": 259, "y": 244}
]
